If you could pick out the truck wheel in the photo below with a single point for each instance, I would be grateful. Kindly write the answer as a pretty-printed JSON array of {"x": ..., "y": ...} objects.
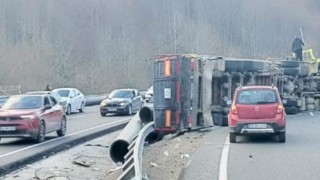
[
  {"x": 217, "y": 119},
  {"x": 289, "y": 64},
  {"x": 291, "y": 71},
  {"x": 291, "y": 110},
  {"x": 290, "y": 103},
  {"x": 216, "y": 109},
  {"x": 253, "y": 65},
  {"x": 232, "y": 137},
  {"x": 310, "y": 101},
  {"x": 310, "y": 107}
]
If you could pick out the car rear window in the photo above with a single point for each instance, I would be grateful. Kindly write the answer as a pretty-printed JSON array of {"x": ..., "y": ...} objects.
[{"x": 257, "y": 96}]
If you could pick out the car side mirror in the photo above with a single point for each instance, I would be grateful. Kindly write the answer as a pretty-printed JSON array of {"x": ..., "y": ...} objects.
[{"x": 46, "y": 107}]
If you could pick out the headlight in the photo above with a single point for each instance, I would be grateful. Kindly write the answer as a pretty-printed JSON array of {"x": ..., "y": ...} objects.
[
  {"x": 123, "y": 104},
  {"x": 28, "y": 117},
  {"x": 103, "y": 103}
]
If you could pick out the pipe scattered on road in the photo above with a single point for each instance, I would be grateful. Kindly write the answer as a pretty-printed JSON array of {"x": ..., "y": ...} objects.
[
  {"x": 146, "y": 114},
  {"x": 119, "y": 147}
]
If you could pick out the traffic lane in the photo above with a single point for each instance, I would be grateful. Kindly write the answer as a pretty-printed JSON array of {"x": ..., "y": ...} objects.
[
  {"x": 30, "y": 152},
  {"x": 14, "y": 143},
  {"x": 75, "y": 122},
  {"x": 204, "y": 162},
  {"x": 264, "y": 158}
]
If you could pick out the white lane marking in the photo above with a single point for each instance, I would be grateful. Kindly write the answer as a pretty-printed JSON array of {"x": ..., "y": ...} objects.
[
  {"x": 223, "y": 171},
  {"x": 56, "y": 139}
]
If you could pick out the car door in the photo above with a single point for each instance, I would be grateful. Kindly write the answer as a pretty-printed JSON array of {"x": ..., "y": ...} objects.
[
  {"x": 56, "y": 108},
  {"x": 48, "y": 115},
  {"x": 73, "y": 100},
  {"x": 78, "y": 97}
]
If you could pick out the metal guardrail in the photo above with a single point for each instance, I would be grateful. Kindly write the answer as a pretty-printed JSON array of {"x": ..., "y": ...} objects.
[
  {"x": 132, "y": 168},
  {"x": 9, "y": 89}
]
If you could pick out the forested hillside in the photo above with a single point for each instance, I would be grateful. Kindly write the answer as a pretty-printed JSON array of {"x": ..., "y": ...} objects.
[{"x": 98, "y": 45}]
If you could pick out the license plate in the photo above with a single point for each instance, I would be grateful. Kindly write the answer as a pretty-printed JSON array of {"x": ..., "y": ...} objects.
[
  {"x": 112, "y": 109},
  {"x": 257, "y": 126},
  {"x": 7, "y": 128}
]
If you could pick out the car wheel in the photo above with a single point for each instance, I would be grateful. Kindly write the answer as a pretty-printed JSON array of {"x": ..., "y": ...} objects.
[
  {"x": 232, "y": 137},
  {"x": 63, "y": 128},
  {"x": 282, "y": 137},
  {"x": 41, "y": 133},
  {"x": 103, "y": 114},
  {"x": 68, "y": 109},
  {"x": 129, "y": 110},
  {"x": 82, "y": 107}
]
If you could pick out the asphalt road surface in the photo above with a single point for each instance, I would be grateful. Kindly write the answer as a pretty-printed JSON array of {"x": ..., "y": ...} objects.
[
  {"x": 260, "y": 157},
  {"x": 78, "y": 124}
]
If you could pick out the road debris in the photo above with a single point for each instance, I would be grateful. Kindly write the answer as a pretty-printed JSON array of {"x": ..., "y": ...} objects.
[
  {"x": 154, "y": 164},
  {"x": 166, "y": 153},
  {"x": 45, "y": 173}
]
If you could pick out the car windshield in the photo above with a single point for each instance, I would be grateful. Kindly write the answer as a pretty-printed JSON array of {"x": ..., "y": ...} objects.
[
  {"x": 63, "y": 93},
  {"x": 261, "y": 96},
  {"x": 23, "y": 102},
  {"x": 121, "y": 94},
  {"x": 3, "y": 100}
]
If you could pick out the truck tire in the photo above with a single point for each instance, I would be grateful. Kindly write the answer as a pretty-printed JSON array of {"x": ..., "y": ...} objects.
[
  {"x": 310, "y": 101},
  {"x": 217, "y": 119},
  {"x": 236, "y": 65},
  {"x": 290, "y": 103},
  {"x": 291, "y": 71},
  {"x": 216, "y": 109},
  {"x": 310, "y": 107},
  {"x": 289, "y": 64},
  {"x": 225, "y": 111},
  {"x": 253, "y": 65},
  {"x": 291, "y": 110}
]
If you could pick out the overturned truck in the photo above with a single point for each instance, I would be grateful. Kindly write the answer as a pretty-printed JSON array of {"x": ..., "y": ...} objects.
[{"x": 192, "y": 91}]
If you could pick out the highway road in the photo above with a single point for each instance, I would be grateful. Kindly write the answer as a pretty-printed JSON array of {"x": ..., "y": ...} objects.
[
  {"x": 261, "y": 157},
  {"x": 79, "y": 125}
]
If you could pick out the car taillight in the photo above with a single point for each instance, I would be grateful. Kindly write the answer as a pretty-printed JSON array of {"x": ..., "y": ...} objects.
[
  {"x": 280, "y": 108},
  {"x": 234, "y": 109}
]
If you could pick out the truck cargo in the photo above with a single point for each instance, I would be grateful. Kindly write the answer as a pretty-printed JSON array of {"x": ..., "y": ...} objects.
[{"x": 194, "y": 91}]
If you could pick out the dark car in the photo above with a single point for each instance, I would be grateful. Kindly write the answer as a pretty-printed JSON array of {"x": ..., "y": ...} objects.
[
  {"x": 31, "y": 116},
  {"x": 257, "y": 110},
  {"x": 122, "y": 101},
  {"x": 61, "y": 101}
]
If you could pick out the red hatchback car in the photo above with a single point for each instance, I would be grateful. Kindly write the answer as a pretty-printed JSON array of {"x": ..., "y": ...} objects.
[
  {"x": 31, "y": 116},
  {"x": 257, "y": 110}
]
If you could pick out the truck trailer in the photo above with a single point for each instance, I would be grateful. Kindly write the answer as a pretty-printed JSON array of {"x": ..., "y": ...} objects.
[{"x": 195, "y": 91}]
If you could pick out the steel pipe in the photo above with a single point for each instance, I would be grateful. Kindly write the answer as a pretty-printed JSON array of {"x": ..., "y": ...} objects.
[
  {"x": 119, "y": 147},
  {"x": 146, "y": 114}
]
